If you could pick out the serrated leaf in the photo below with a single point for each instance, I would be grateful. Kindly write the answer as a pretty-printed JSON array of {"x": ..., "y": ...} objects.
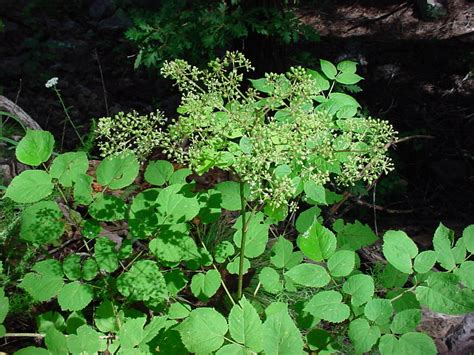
[
  {"x": 399, "y": 250},
  {"x": 245, "y": 325},
  {"x": 257, "y": 234},
  {"x": 442, "y": 243},
  {"x": 131, "y": 333},
  {"x": 50, "y": 285},
  {"x": 280, "y": 334},
  {"x": 362, "y": 335},
  {"x": 32, "y": 350},
  {"x": 203, "y": 331},
  {"x": 179, "y": 310},
  {"x": 270, "y": 280},
  {"x": 173, "y": 246},
  {"x": 143, "y": 282},
  {"x": 118, "y": 171},
  {"x": 341, "y": 263},
  {"x": 318, "y": 243},
  {"x": 56, "y": 342},
  {"x": 409, "y": 343},
  {"x": 282, "y": 254},
  {"x": 306, "y": 219},
  {"x": 234, "y": 266},
  {"x": 322, "y": 341},
  {"x": 175, "y": 281},
  {"x": 360, "y": 287},
  {"x": 328, "y": 69},
  {"x": 315, "y": 192},
  {"x": 205, "y": 285},
  {"x": 263, "y": 85},
  {"x": 378, "y": 310},
  {"x": 405, "y": 321},
  {"x": 83, "y": 189},
  {"x": 348, "y": 78},
  {"x": 68, "y": 167},
  {"x": 234, "y": 349},
  {"x": 179, "y": 176},
  {"x": 174, "y": 207},
  {"x": 30, "y": 186},
  {"x": 108, "y": 208},
  {"x": 328, "y": 305},
  {"x": 347, "y": 66},
  {"x": 321, "y": 82},
  {"x": 230, "y": 192},
  {"x": 50, "y": 320},
  {"x": 72, "y": 267},
  {"x": 466, "y": 273},
  {"x": 310, "y": 275},
  {"x": 355, "y": 236},
  {"x": 105, "y": 254},
  {"x": 41, "y": 222},
  {"x": 223, "y": 250},
  {"x": 158, "y": 172},
  {"x": 424, "y": 261},
  {"x": 75, "y": 296},
  {"x": 392, "y": 277},
  {"x": 105, "y": 317},
  {"x": 468, "y": 238},
  {"x": 86, "y": 341},
  {"x": 35, "y": 147}
]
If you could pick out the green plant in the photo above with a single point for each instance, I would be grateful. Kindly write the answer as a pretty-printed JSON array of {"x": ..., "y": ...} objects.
[
  {"x": 201, "y": 30},
  {"x": 148, "y": 273}
]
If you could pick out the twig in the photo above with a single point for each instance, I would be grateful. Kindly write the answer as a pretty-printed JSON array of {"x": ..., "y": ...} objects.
[
  {"x": 381, "y": 17},
  {"x": 381, "y": 208},
  {"x": 103, "y": 82}
]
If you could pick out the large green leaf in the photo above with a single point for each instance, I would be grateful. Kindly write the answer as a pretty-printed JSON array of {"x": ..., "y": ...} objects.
[
  {"x": 56, "y": 342},
  {"x": 405, "y": 321},
  {"x": 83, "y": 189},
  {"x": 85, "y": 342},
  {"x": 35, "y": 147},
  {"x": 363, "y": 335},
  {"x": 318, "y": 243},
  {"x": 468, "y": 238},
  {"x": 108, "y": 208},
  {"x": 203, "y": 331},
  {"x": 270, "y": 280},
  {"x": 245, "y": 325},
  {"x": 347, "y": 66},
  {"x": 75, "y": 296},
  {"x": 30, "y": 186},
  {"x": 424, "y": 261},
  {"x": 341, "y": 263},
  {"x": 466, "y": 273},
  {"x": 105, "y": 317},
  {"x": 328, "y": 69},
  {"x": 378, "y": 310},
  {"x": 105, "y": 254},
  {"x": 263, "y": 85},
  {"x": 131, "y": 333},
  {"x": 175, "y": 207},
  {"x": 315, "y": 192},
  {"x": 158, "y": 172},
  {"x": 442, "y": 243},
  {"x": 41, "y": 222},
  {"x": 283, "y": 255},
  {"x": 173, "y": 246},
  {"x": 409, "y": 343},
  {"x": 68, "y": 167},
  {"x": 205, "y": 285},
  {"x": 310, "y": 275},
  {"x": 348, "y": 78},
  {"x": 399, "y": 250},
  {"x": 280, "y": 334},
  {"x": 360, "y": 287},
  {"x": 143, "y": 282},
  {"x": 328, "y": 305},
  {"x": 118, "y": 171},
  {"x": 230, "y": 191},
  {"x": 257, "y": 234},
  {"x": 45, "y": 282},
  {"x": 306, "y": 219},
  {"x": 355, "y": 236},
  {"x": 72, "y": 267}
]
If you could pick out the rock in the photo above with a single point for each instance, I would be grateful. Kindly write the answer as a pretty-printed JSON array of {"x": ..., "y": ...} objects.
[
  {"x": 461, "y": 340},
  {"x": 432, "y": 9},
  {"x": 101, "y": 9}
]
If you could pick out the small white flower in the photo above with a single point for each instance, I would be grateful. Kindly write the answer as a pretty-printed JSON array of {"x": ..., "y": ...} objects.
[{"x": 51, "y": 82}]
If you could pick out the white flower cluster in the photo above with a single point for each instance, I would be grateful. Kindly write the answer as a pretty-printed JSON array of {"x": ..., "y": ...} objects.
[{"x": 51, "y": 82}]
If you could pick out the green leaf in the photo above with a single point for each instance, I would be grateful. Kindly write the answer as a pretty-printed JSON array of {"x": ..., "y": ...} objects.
[
  {"x": 41, "y": 223},
  {"x": 30, "y": 186},
  {"x": 32, "y": 350},
  {"x": 205, "y": 285},
  {"x": 131, "y": 333},
  {"x": 270, "y": 280},
  {"x": 223, "y": 250},
  {"x": 328, "y": 69},
  {"x": 315, "y": 192},
  {"x": 72, "y": 267},
  {"x": 318, "y": 243},
  {"x": 175, "y": 281},
  {"x": 310, "y": 275},
  {"x": 245, "y": 325},
  {"x": 425, "y": 261},
  {"x": 83, "y": 189},
  {"x": 321, "y": 82},
  {"x": 257, "y": 234},
  {"x": 466, "y": 273},
  {"x": 405, "y": 321},
  {"x": 173, "y": 246},
  {"x": 245, "y": 145},
  {"x": 362, "y": 335},
  {"x": 283, "y": 255},
  {"x": 360, "y": 287},
  {"x": 234, "y": 265},
  {"x": 35, "y": 147},
  {"x": 234, "y": 349},
  {"x": 328, "y": 305},
  {"x": 179, "y": 310},
  {"x": 347, "y": 66},
  {"x": 105, "y": 254},
  {"x": 50, "y": 320},
  {"x": 392, "y": 278},
  {"x": 179, "y": 176},
  {"x": 86, "y": 341},
  {"x": 230, "y": 191},
  {"x": 68, "y": 167},
  {"x": 444, "y": 295},
  {"x": 56, "y": 342},
  {"x": 174, "y": 207},
  {"x": 306, "y": 219},
  {"x": 409, "y": 343},
  {"x": 108, "y": 208},
  {"x": 105, "y": 317},
  {"x": 75, "y": 296},
  {"x": 262, "y": 85},
  {"x": 468, "y": 238},
  {"x": 348, "y": 78},
  {"x": 4, "y": 305},
  {"x": 322, "y": 342},
  {"x": 378, "y": 310},
  {"x": 341, "y": 263},
  {"x": 118, "y": 171},
  {"x": 355, "y": 236},
  {"x": 158, "y": 172},
  {"x": 280, "y": 334},
  {"x": 203, "y": 331},
  {"x": 442, "y": 242},
  {"x": 143, "y": 282},
  {"x": 74, "y": 321},
  {"x": 50, "y": 285},
  {"x": 399, "y": 249}
]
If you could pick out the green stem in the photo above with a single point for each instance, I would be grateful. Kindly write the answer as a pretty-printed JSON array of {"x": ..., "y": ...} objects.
[
  {"x": 67, "y": 115},
  {"x": 242, "y": 241}
]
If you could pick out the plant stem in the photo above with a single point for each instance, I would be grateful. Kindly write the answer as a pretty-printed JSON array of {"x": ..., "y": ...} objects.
[
  {"x": 242, "y": 241},
  {"x": 67, "y": 115}
]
